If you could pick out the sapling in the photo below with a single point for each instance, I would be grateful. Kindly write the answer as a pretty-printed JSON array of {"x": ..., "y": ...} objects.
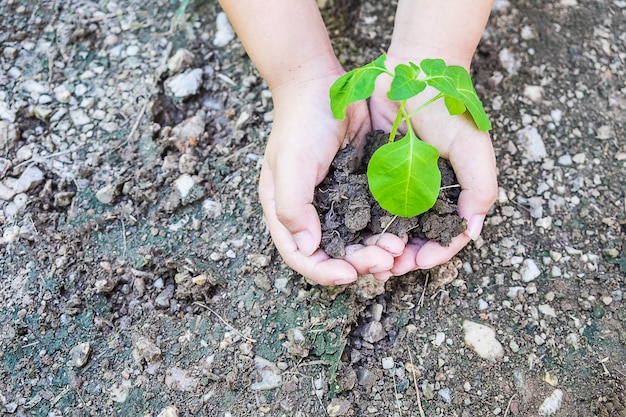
[{"x": 403, "y": 175}]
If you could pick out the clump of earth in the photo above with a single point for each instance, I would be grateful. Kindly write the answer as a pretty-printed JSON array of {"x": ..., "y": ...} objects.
[{"x": 349, "y": 213}]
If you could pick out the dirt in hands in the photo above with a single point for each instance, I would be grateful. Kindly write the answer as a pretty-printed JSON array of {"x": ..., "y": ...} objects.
[{"x": 349, "y": 213}]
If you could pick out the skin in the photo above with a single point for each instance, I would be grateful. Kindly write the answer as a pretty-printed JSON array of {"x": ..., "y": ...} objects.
[{"x": 289, "y": 45}]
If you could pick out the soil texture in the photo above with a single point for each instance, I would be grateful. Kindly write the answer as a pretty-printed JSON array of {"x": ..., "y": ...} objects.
[{"x": 349, "y": 213}]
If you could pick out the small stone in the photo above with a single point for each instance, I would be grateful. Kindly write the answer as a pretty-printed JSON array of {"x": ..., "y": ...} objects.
[
  {"x": 185, "y": 84},
  {"x": 532, "y": 143},
  {"x": 79, "y": 117},
  {"x": 539, "y": 340},
  {"x": 268, "y": 375},
  {"x": 514, "y": 291},
  {"x": 8, "y": 134},
  {"x": 533, "y": 92},
  {"x": 6, "y": 113},
  {"x": 180, "y": 61},
  {"x": 184, "y": 184},
  {"x": 180, "y": 380},
  {"x": 30, "y": 178},
  {"x": 565, "y": 160},
  {"x": 106, "y": 194},
  {"x": 79, "y": 354},
  {"x": 551, "y": 404},
  {"x": 339, "y": 407},
  {"x": 529, "y": 270},
  {"x": 132, "y": 50},
  {"x": 224, "y": 33},
  {"x": 62, "y": 94},
  {"x": 606, "y": 300},
  {"x": 388, "y": 363},
  {"x": 482, "y": 340},
  {"x": 169, "y": 411},
  {"x": 547, "y": 310},
  {"x": 373, "y": 332},
  {"x": 440, "y": 337},
  {"x": 42, "y": 112},
  {"x": 6, "y": 193},
  {"x": 145, "y": 349}
]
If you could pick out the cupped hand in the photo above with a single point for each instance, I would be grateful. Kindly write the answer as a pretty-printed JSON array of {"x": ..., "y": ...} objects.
[
  {"x": 304, "y": 140},
  {"x": 471, "y": 154}
]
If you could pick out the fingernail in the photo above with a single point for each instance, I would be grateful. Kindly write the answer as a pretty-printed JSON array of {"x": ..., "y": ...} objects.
[
  {"x": 305, "y": 243},
  {"x": 344, "y": 281},
  {"x": 475, "y": 226}
]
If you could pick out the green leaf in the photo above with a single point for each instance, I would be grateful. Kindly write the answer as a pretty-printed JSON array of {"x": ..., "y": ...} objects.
[
  {"x": 456, "y": 85},
  {"x": 354, "y": 86},
  {"x": 455, "y": 107},
  {"x": 404, "y": 177},
  {"x": 405, "y": 84}
]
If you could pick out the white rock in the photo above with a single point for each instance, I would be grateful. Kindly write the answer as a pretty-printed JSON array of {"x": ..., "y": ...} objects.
[
  {"x": 556, "y": 115},
  {"x": 62, "y": 94},
  {"x": 533, "y": 92},
  {"x": 551, "y": 404},
  {"x": 6, "y": 193},
  {"x": 224, "y": 33},
  {"x": 565, "y": 160},
  {"x": 547, "y": 310},
  {"x": 181, "y": 60},
  {"x": 6, "y": 113},
  {"x": 185, "y": 84},
  {"x": 513, "y": 291},
  {"x": 482, "y": 340},
  {"x": 8, "y": 134},
  {"x": 191, "y": 127},
  {"x": 387, "y": 362},
  {"x": 529, "y": 270},
  {"x": 532, "y": 143},
  {"x": 184, "y": 184},
  {"x": 169, "y": 411},
  {"x": 34, "y": 88},
  {"x": 79, "y": 117},
  {"x": 212, "y": 209},
  {"x": 440, "y": 337},
  {"x": 180, "y": 380},
  {"x": 509, "y": 61},
  {"x": 30, "y": 178},
  {"x": 268, "y": 373},
  {"x": 106, "y": 194}
]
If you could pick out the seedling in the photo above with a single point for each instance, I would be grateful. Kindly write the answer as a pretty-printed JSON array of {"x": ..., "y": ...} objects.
[{"x": 403, "y": 175}]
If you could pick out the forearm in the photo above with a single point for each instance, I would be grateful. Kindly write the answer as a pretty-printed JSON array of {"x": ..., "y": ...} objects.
[
  {"x": 286, "y": 39},
  {"x": 449, "y": 29}
]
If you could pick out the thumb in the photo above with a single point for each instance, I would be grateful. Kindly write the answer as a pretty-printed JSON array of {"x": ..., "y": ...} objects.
[{"x": 288, "y": 189}]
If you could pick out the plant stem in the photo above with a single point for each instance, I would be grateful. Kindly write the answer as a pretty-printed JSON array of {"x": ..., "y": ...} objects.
[
  {"x": 414, "y": 112},
  {"x": 396, "y": 123}
]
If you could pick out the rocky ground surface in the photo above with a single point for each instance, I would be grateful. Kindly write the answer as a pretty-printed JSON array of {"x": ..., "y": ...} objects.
[{"x": 138, "y": 278}]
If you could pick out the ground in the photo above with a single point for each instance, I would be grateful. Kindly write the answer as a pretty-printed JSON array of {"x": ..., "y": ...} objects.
[{"x": 138, "y": 277}]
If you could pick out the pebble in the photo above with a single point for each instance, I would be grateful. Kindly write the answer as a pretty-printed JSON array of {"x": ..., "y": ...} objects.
[
  {"x": 146, "y": 349},
  {"x": 373, "y": 332},
  {"x": 529, "y": 270},
  {"x": 79, "y": 354},
  {"x": 169, "y": 411},
  {"x": 180, "y": 61},
  {"x": 482, "y": 340},
  {"x": 339, "y": 407},
  {"x": 30, "y": 178},
  {"x": 509, "y": 61},
  {"x": 79, "y": 117},
  {"x": 532, "y": 143},
  {"x": 444, "y": 393},
  {"x": 180, "y": 380},
  {"x": 6, "y": 113},
  {"x": 551, "y": 404},
  {"x": 547, "y": 310},
  {"x": 533, "y": 92},
  {"x": 8, "y": 134},
  {"x": 6, "y": 193},
  {"x": 268, "y": 373},
  {"x": 106, "y": 194},
  {"x": 184, "y": 184},
  {"x": 514, "y": 291},
  {"x": 185, "y": 84},
  {"x": 388, "y": 363},
  {"x": 565, "y": 160},
  {"x": 224, "y": 33},
  {"x": 62, "y": 94}
]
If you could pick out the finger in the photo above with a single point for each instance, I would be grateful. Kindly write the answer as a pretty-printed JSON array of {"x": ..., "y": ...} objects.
[
  {"x": 317, "y": 266},
  {"x": 383, "y": 276},
  {"x": 474, "y": 163},
  {"x": 293, "y": 183},
  {"x": 369, "y": 259},
  {"x": 388, "y": 241},
  {"x": 406, "y": 262},
  {"x": 433, "y": 254}
]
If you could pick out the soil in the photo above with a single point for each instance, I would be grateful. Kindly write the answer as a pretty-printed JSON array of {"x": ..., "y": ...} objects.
[
  {"x": 137, "y": 276},
  {"x": 349, "y": 213}
]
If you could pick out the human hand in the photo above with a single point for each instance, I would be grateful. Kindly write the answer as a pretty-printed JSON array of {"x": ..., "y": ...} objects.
[
  {"x": 304, "y": 140},
  {"x": 471, "y": 155}
]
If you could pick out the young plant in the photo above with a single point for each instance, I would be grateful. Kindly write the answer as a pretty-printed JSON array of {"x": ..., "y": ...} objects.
[{"x": 403, "y": 175}]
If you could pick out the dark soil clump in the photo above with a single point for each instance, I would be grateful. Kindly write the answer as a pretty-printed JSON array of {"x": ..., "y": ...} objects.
[{"x": 349, "y": 213}]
